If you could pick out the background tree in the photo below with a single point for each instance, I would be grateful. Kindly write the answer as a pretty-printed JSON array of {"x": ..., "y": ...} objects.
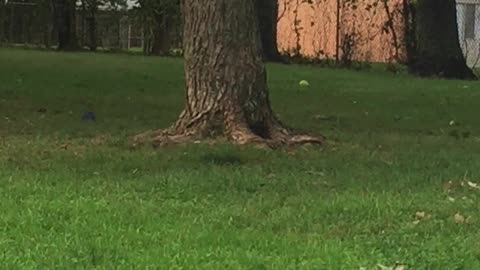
[
  {"x": 65, "y": 19},
  {"x": 267, "y": 14},
  {"x": 408, "y": 12},
  {"x": 3, "y": 18},
  {"x": 90, "y": 11},
  {"x": 46, "y": 17},
  {"x": 159, "y": 19},
  {"x": 226, "y": 87},
  {"x": 437, "y": 45}
]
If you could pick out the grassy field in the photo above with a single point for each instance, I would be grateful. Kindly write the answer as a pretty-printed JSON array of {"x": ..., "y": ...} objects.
[{"x": 385, "y": 190}]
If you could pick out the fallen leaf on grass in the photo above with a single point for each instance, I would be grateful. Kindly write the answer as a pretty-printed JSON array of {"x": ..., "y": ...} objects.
[
  {"x": 469, "y": 220},
  {"x": 100, "y": 140},
  {"x": 456, "y": 185},
  {"x": 271, "y": 175},
  {"x": 473, "y": 185},
  {"x": 447, "y": 186},
  {"x": 395, "y": 267},
  {"x": 316, "y": 173},
  {"x": 420, "y": 214},
  {"x": 65, "y": 146},
  {"x": 459, "y": 219}
]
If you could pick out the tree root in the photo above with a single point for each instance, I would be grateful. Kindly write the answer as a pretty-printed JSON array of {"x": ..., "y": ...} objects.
[
  {"x": 239, "y": 134},
  {"x": 161, "y": 138},
  {"x": 283, "y": 141}
]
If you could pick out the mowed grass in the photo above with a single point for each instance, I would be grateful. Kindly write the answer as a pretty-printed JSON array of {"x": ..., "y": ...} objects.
[{"x": 75, "y": 196}]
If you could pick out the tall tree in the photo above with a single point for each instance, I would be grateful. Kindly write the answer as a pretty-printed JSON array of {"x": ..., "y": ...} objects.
[
  {"x": 267, "y": 15},
  {"x": 164, "y": 17},
  {"x": 226, "y": 88},
  {"x": 90, "y": 10},
  {"x": 437, "y": 45},
  {"x": 3, "y": 18},
  {"x": 65, "y": 19},
  {"x": 159, "y": 19},
  {"x": 45, "y": 14},
  {"x": 408, "y": 11}
]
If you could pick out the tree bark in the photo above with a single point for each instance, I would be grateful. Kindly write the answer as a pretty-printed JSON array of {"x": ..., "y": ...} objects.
[
  {"x": 65, "y": 11},
  {"x": 267, "y": 15},
  {"x": 409, "y": 31},
  {"x": 438, "y": 51},
  {"x": 226, "y": 88}
]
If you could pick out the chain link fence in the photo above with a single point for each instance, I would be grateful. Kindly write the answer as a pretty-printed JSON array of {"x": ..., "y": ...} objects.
[
  {"x": 468, "y": 18},
  {"x": 23, "y": 22},
  {"x": 32, "y": 23}
]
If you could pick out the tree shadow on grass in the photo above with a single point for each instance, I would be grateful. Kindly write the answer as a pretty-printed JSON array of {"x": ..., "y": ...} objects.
[{"x": 223, "y": 159}]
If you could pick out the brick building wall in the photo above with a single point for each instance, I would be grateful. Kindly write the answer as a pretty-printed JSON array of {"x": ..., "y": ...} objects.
[{"x": 364, "y": 30}]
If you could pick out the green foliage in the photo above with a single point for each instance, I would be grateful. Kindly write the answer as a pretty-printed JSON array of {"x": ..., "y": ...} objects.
[
  {"x": 158, "y": 7},
  {"x": 75, "y": 196},
  {"x": 108, "y": 4}
]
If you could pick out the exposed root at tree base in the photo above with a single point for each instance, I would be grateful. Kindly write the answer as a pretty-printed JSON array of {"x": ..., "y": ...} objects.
[
  {"x": 239, "y": 137},
  {"x": 161, "y": 138},
  {"x": 278, "y": 136}
]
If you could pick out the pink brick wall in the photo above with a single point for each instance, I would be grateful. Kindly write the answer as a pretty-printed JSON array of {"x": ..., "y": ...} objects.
[{"x": 315, "y": 30}]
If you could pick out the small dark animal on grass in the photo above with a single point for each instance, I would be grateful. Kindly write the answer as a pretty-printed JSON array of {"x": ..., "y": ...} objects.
[{"x": 89, "y": 116}]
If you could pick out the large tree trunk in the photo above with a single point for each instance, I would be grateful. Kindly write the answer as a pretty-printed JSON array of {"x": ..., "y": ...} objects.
[
  {"x": 438, "y": 51},
  {"x": 65, "y": 17},
  {"x": 226, "y": 89},
  {"x": 409, "y": 31},
  {"x": 162, "y": 41},
  {"x": 267, "y": 15}
]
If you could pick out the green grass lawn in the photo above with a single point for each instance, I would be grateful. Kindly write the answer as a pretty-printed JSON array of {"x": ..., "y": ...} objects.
[{"x": 75, "y": 196}]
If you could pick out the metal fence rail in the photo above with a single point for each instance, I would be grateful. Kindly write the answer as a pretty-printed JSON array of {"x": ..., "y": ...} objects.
[{"x": 468, "y": 18}]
